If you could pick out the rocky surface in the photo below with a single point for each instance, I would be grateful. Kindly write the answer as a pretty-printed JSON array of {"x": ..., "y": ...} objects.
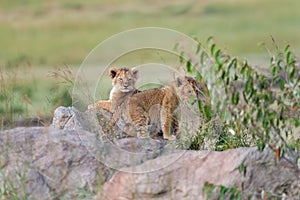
[
  {"x": 245, "y": 169},
  {"x": 47, "y": 163},
  {"x": 73, "y": 159},
  {"x": 44, "y": 163}
]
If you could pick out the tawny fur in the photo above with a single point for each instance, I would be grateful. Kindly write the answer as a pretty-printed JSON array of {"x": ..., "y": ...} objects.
[
  {"x": 123, "y": 82},
  {"x": 167, "y": 99}
]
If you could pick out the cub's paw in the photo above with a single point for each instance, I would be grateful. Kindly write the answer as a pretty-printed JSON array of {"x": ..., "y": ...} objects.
[
  {"x": 142, "y": 134},
  {"x": 91, "y": 106},
  {"x": 171, "y": 137}
]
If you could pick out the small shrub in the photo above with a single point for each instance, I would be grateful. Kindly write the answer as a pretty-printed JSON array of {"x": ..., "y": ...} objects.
[{"x": 256, "y": 108}]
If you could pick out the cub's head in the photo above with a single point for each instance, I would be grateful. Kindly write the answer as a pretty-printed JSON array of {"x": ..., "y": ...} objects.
[
  {"x": 191, "y": 90},
  {"x": 185, "y": 89},
  {"x": 123, "y": 79},
  {"x": 200, "y": 89}
]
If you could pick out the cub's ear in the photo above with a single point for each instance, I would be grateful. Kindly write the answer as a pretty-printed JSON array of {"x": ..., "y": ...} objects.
[
  {"x": 179, "y": 81},
  {"x": 113, "y": 72},
  {"x": 135, "y": 73}
]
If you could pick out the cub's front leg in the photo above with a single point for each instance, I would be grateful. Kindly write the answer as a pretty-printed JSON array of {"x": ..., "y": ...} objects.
[
  {"x": 166, "y": 121},
  {"x": 140, "y": 120},
  {"x": 105, "y": 104}
]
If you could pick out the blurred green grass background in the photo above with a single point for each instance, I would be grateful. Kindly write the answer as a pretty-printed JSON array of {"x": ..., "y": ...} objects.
[{"x": 38, "y": 36}]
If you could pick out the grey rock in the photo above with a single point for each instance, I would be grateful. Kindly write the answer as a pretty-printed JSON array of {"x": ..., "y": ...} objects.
[
  {"x": 92, "y": 120},
  {"x": 69, "y": 118},
  {"x": 245, "y": 169},
  {"x": 63, "y": 118},
  {"x": 72, "y": 159},
  {"x": 47, "y": 163}
]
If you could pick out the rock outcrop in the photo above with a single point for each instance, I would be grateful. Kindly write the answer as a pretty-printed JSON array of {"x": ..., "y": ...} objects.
[
  {"x": 47, "y": 163},
  {"x": 244, "y": 172},
  {"x": 72, "y": 159}
]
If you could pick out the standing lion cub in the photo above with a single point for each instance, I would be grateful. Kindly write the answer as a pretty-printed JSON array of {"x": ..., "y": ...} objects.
[{"x": 161, "y": 102}]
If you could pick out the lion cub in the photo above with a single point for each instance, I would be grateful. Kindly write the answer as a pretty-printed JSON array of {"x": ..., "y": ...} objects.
[
  {"x": 123, "y": 82},
  {"x": 164, "y": 101}
]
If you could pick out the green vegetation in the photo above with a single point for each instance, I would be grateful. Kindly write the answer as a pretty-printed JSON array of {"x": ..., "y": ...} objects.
[
  {"x": 25, "y": 94},
  {"x": 260, "y": 109}
]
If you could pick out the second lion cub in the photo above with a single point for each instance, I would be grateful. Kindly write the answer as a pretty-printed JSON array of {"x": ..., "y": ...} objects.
[{"x": 167, "y": 99}]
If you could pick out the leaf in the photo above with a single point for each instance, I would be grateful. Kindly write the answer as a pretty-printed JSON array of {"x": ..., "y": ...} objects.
[
  {"x": 188, "y": 66},
  {"x": 287, "y": 48},
  {"x": 212, "y": 49},
  {"x": 281, "y": 116},
  {"x": 282, "y": 82},
  {"x": 243, "y": 70},
  {"x": 209, "y": 39},
  {"x": 274, "y": 70},
  {"x": 246, "y": 119},
  {"x": 200, "y": 106},
  {"x": 208, "y": 112},
  {"x": 295, "y": 106},
  {"x": 235, "y": 98},
  {"x": 249, "y": 85},
  {"x": 235, "y": 78},
  {"x": 259, "y": 114},
  {"x": 288, "y": 57},
  {"x": 249, "y": 72},
  {"x": 271, "y": 60},
  {"x": 217, "y": 56},
  {"x": 219, "y": 67},
  {"x": 233, "y": 63},
  {"x": 245, "y": 97},
  {"x": 277, "y": 153},
  {"x": 279, "y": 62},
  {"x": 223, "y": 75},
  {"x": 293, "y": 73},
  {"x": 181, "y": 57},
  {"x": 277, "y": 121}
]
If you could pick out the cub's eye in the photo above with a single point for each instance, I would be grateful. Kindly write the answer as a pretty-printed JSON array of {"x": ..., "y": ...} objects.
[
  {"x": 129, "y": 79},
  {"x": 120, "y": 79},
  {"x": 190, "y": 91}
]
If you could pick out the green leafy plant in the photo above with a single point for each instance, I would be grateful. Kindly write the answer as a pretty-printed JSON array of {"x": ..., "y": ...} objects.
[
  {"x": 224, "y": 192},
  {"x": 262, "y": 108},
  {"x": 265, "y": 104}
]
